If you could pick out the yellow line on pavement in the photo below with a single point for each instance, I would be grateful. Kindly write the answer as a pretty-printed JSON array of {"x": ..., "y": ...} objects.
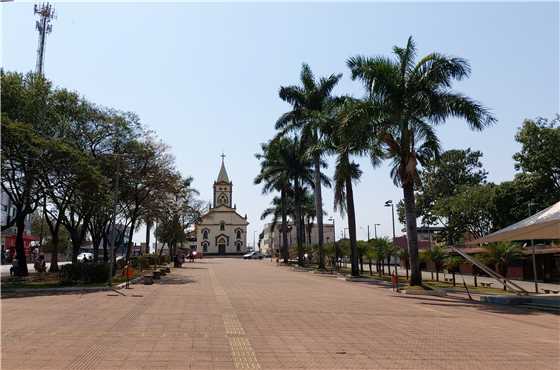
[{"x": 244, "y": 357}]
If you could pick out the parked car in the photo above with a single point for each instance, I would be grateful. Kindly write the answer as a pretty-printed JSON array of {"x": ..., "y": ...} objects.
[
  {"x": 82, "y": 257},
  {"x": 253, "y": 256}
]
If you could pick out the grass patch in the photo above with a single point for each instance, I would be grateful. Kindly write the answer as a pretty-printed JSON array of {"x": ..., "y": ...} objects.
[{"x": 51, "y": 280}]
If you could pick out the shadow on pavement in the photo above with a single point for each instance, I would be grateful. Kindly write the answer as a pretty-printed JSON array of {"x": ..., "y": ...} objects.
[
  {"x": 176, "y": 280},
  {"x": 460, "y": 302}
]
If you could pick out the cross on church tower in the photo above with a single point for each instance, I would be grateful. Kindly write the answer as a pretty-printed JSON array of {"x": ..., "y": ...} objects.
[{"x": 223, "y": 187}]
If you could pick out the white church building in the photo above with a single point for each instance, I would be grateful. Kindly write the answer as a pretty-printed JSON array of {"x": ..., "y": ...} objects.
[{"x": 222, "y": 231}]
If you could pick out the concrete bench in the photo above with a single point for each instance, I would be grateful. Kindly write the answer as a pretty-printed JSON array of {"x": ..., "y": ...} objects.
[
  {"x": 486, "y": 285},
  {"x": 549, "y": 291},
  {"x": 448, "y": 280}
]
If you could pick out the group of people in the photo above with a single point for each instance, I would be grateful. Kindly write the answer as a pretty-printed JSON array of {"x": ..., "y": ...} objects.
[{"x": 39, "y": 262}]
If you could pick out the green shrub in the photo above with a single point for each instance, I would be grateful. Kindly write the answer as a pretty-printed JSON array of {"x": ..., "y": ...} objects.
[
  {"x": 148, "y": 260},
  {"x": 85, "y": 273}
]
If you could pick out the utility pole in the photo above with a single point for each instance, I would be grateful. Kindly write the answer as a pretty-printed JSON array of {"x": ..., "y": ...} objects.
[
  {"x": 44, "y": 27},
  {"x": 368, "y": 233},
  {"x": 375, "y": 229},
  {"x": 534, "y": 258}
]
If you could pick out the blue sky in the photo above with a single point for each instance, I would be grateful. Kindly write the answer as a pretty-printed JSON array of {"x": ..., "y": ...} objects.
[{"x": 205, "y": 77}]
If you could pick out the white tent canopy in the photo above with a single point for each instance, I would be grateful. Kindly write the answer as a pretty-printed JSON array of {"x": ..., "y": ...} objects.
[{"x": 542, "y": 225}]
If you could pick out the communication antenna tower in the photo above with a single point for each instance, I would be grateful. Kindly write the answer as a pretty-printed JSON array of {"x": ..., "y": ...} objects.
[{"x": 44, "y": 27}]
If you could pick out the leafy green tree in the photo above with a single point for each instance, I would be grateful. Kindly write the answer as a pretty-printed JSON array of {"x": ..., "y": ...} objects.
[
  {"x": 310, "y": 102},
  {"x": 472, "y": 208},
  {"x": 25, "y": 101},
  {"x": 538, "y": 183},
  {"x": 408, "y": 99},
  {"x": 442, "y": 178},
  {"x": 540, "y": 152}
]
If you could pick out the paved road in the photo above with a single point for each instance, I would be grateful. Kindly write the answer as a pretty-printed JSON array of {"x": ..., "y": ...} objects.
[{"x": 235, "y": 314}]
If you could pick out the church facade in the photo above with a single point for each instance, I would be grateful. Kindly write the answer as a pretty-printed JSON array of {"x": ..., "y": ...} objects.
[{"x": 222, "y": 231}]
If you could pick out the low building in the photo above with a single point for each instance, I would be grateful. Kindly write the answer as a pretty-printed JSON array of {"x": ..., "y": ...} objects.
[
  {"x": 271, "y": 241},
  {"x": 8, "y": 236}
]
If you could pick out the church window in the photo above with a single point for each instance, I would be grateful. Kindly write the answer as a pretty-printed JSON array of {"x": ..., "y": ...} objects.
[
  {"x": 238, "y": 234},
  {"x": 205, "y": 234},
  {"x": 222, "y": 226},
  {"x": 205, "y": 247},
  {"x": 238, "y": 246}
]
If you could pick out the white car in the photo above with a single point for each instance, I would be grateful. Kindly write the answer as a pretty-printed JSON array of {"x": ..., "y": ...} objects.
[
  {"x": 253, "y": 256},
  {"x": 83, "y": 256}
]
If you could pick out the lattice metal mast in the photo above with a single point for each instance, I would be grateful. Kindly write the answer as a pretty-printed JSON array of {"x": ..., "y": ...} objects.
[{"x": 43, "y": 25}]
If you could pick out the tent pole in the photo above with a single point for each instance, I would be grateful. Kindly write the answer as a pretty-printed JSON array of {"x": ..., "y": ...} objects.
[{"x": 535, "y": 268}]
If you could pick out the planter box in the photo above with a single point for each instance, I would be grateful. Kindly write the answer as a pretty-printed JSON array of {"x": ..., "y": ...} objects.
[{"x": 148, "y": 279}]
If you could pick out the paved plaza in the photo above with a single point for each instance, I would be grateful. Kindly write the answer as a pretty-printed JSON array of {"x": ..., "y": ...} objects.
[{"x": 236, "y": 314}]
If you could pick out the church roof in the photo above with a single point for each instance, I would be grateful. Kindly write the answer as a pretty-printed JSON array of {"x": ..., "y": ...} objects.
[{"x": 223, "y": 176}]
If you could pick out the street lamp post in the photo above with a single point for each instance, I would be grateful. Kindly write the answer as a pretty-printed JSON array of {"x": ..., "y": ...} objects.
[
  {"x": 335, "y": 265},
  {"x": 389, "y": 203},
  {"x": 375, "y": 230}
]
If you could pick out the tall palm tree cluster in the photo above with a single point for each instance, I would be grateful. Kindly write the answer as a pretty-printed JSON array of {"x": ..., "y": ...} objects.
[{"x": 404, "y": 100}]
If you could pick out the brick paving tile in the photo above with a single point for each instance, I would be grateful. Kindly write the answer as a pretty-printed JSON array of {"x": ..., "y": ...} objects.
[{"x": 235, "y": 314}]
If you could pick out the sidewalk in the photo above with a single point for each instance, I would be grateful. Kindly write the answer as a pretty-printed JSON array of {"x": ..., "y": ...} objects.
[{"x": 427, "y": 275}]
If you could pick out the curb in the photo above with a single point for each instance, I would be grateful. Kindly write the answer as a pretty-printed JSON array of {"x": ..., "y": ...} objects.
[{"x": 436, "y": 293}]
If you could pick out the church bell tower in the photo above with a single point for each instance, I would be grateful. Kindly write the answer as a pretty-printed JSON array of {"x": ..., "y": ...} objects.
[{"x": 222, "y": 188}]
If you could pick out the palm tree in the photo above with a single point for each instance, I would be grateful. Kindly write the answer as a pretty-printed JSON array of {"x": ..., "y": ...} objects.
[
  {"x": 310, "y": 102},
  {"x": 275, "y": 161},
  {"x": 407, "y": 99},
  {"x": 438, "y": 256},
  {"x": 502, "y": 255},
  {"x": 285, "y": 167},
  {"x": 403, "y": 254},
  {"x": 452, "y": 263},
  {"x": 346, "y": 136}
]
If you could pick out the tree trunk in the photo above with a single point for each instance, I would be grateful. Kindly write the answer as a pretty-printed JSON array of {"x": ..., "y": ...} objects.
[
  {"x": 411, "y": 233},
  {"x": 148, "y": 229},
  {"x": 370, "y": 270},
  {"x": 319, "y": 208},
  {"x": 76, "y": 244},
  {"x": 297, "y": 222},
  {"x": 105, "y": 252},
  {"x": 20, "y": 247},
  {"x": 437, "y": 275},
  {"x": 453, "y": 273},
  {"x": 54, "y": 254},
  {"x": 96, "y": 241},
  {"x": 130, "y": 235},
  {"x": 284, "y": 227},
  {"x": 352, "y": 226},
  {"x": 362, "y": 264}
]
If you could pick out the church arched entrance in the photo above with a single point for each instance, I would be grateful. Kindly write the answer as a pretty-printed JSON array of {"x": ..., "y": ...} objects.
[{"x": 221, "y": 246}]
